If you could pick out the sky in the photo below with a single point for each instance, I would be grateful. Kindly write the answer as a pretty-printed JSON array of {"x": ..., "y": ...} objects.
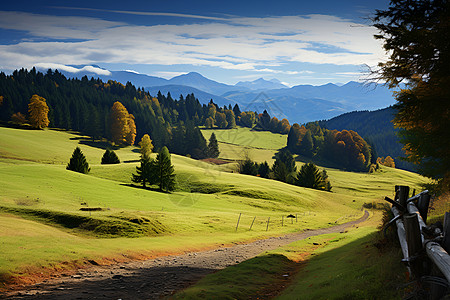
[{"x": 296, "y": 42}]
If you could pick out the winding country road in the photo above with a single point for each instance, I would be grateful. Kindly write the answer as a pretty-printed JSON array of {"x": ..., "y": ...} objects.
[{"x": 160, "y": 277}]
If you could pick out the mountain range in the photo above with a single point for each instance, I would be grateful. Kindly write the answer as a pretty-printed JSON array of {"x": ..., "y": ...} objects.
[{"x": 299, "y": 104}]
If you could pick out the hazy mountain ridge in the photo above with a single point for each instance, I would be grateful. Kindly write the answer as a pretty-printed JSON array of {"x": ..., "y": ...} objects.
[{"x": 300, "y": 104}]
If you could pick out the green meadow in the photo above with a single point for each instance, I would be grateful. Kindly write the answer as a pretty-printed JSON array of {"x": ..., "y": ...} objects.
[{"x": 43, "y": 226}]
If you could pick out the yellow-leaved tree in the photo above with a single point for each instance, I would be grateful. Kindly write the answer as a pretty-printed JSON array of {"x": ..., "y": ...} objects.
[
  {"x": 38, "y": 111},
  {"x": 146, "y": 145},
  {"x": 123, "y": 128}
]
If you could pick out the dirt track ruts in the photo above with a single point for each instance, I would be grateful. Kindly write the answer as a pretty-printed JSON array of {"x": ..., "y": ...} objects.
[{"x": 160, "y": 277}]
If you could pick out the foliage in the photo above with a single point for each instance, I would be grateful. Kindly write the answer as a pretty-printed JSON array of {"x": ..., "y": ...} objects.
[
  {"x": 110, "y": 157},
  {"x": 264, "y": 169},
  {"x": 415, "y": 37},
  {"x": 248, "y": 167},
  {"x": 18, "y": 118},
  {"x": 213, "y": 147},
  {"x": 388, "y": 161},
  {"x": 164, "y": 171},
  {"x": 123, "y": 127},
  {"x": 78, "y": 162},
  {"x": 38, "y": 112},
  {"x": 309, "y": 176},
  {"x": 284, "y": 166},
  {"x": 146, "y": 145},
  {"x": 146, "y": 172}
]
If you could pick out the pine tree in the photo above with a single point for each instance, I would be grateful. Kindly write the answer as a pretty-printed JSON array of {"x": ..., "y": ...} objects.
[
  {"x": 38, "y": 110},
  {"x": 264, "y": 169},
  {"x": 213, "y": 146},
  {"x": 78, "y": 162},
  {"x": 164, "y": 171},
  {"x": 146, "y": 172},
  {"x": 309, "y": 176},
  {"x": 110, "y": 157}
]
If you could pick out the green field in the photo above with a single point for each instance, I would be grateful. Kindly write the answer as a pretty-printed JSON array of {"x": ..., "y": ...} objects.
[{"x": 42, "y": 226}]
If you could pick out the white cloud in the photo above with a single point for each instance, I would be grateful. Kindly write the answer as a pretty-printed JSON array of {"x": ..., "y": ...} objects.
[
  {"x": 250, "y": 44},
  {"x": 70, "y": 69}
]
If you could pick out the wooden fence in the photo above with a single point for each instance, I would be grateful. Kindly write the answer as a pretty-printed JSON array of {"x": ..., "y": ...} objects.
[{"x": 425, "y": 247}]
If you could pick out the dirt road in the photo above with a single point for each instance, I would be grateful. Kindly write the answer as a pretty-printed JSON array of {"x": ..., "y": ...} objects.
[{"x": 157, "y": 278}]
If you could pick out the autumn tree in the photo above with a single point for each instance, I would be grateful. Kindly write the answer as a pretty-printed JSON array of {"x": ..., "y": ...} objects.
[
  {"x": 18, "y": 118},
  {"x": 131, "y": 134},
  {"x": 78, "y": 162},
  {"x": 38, "y": 112},
  {"x": 221, "y": 120},
  {"x": 415, "y": 36},
  {"x": 122, "y": 125},
  {"x": 146, "y": 145}
]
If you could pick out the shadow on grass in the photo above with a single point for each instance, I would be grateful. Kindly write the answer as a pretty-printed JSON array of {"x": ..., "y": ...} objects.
[
  {"x": 359, "y": 266},
  {"x": 148, "y": 188},
  {"x": 150, "y": 283}
]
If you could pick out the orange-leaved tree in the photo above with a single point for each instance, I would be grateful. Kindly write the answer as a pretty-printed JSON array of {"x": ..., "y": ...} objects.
[
  {"x": 38, "y": 111},
  {"x": 123, "y": 128}
]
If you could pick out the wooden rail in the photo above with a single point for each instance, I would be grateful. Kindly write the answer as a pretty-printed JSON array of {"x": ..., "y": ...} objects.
[{"x": 424, "y": 248}]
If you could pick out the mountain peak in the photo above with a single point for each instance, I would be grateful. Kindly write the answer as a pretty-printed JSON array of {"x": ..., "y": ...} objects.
[{"x": 262, "y": 84}]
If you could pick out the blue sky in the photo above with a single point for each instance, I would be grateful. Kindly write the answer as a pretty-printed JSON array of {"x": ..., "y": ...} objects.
[{"x": 297, "y": 42}]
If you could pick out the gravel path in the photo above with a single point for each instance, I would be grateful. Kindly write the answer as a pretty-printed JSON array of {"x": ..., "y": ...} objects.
[{"x": 160, "y": 277}]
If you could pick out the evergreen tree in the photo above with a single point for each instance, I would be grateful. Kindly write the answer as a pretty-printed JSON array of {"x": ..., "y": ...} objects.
[
  {"x": 78, "y": 162},
  {"x": 248, "y": 167},
  {"x": 213, "y": 146},
  {"x": 309, "y": 176},
  {"x": 110, "y": 157},
  {"x": 146, "y": 172},
  {"x": 307, "y": 145},
  {"x": 264, "y": 169},
  {"x": 415, "y": 36},
  {"x": 38, "y": 111},
  {"x": 164, "y": 171},
  {"x": 280, "y": 171}
]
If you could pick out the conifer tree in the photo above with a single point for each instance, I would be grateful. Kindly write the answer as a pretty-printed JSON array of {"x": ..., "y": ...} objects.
[
  {"x": 164, "y": 171},
  {"x": 110, "y": 157},
  {"x": 213, "y": 146},
  {"x": 309, "y": 176},
  {"x": 146, "y": 172},
  {"x": 78, "y": 162},
  {"x": 38, "y": 110}
]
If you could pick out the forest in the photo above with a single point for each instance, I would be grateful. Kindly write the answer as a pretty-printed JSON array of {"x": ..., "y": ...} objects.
[{"x": 97, "y": 109}]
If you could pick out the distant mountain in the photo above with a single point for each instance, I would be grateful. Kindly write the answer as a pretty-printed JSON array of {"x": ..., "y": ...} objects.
[
  {"x": 261, "y": 84},
  {"x": 377, "y": 128},
  {"x": 200, "y": 82},
  {"x": 177, "y": 90},
  {"x": 139, "y": 80},
  {"x": 300, "y": 104}
]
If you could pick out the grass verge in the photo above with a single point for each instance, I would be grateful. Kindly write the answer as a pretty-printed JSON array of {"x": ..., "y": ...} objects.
[{"x": 315, "y": 268}]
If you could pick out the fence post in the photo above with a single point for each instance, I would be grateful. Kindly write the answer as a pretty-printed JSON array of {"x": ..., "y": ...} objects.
[
  {"x": 268, "y": 220},
  {"x": 414, "y": 241},
  {"x": 446, "y": 241},
  {"x": 238, "y": 221},
  {"x": 252, "y": 223},
  {"x": 403, "y": 194},
  {"x": 422, "y": 205},
  {"x": 282, "y": 221}
]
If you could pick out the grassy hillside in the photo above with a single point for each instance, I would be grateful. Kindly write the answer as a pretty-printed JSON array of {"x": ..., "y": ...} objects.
[{"x": 41, "y": 224}]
